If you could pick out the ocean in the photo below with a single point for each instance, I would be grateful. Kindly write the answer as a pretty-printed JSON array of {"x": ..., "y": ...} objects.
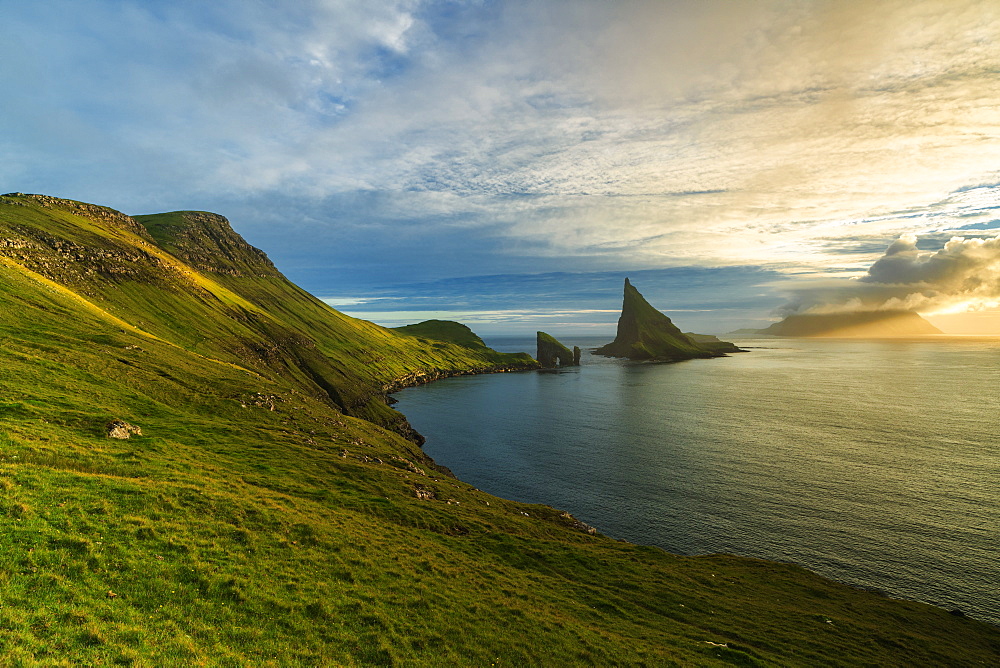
[{"x": 874, "y": 463}]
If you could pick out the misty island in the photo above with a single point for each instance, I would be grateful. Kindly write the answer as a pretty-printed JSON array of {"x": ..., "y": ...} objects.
[
  {"x": 887, "y": 324},
  {"x": 199, "y": 466}
]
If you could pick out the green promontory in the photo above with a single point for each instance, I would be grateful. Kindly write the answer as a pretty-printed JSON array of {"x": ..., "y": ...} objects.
[
  {"x": 184, "y": 480},
  {"x": 714, "y": 343},
  {"x": 644, "y": 333},
  {"x": 444, "y": 330}
]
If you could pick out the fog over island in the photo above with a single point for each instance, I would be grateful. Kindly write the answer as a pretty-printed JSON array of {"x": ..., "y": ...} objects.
[{"x": 508, "y": 164}]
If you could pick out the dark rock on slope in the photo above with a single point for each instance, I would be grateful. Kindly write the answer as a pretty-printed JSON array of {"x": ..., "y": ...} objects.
[
  {"x": 644, "y": 333},
  {"x": 207, "y": 242}
]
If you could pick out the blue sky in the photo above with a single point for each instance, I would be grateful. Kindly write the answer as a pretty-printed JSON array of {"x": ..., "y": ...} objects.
[{"x": 510, "y": 163}]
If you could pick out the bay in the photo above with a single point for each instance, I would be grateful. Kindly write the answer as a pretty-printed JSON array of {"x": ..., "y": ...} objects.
[{"x": 874, "y": 463}]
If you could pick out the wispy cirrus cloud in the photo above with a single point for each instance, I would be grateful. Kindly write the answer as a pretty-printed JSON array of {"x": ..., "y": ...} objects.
[
  {"x": 433, "y": 139},
  {"x": 704, "y": 299}
]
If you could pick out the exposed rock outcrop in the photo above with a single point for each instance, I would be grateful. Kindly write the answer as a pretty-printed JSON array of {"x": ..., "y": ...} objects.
[
  {"x": 552, "y": 353},
  {"x": 644, "y": 333},
  {"x": 97, "y": 213},
  {"x": 577, "y": 524},
  {"x": 424, "y": 376},
  {"x": 116, "y": 249},
  {"x": 207, "y": 242}
]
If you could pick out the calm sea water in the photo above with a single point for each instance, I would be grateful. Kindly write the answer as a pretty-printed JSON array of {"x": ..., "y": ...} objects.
[{"x": 872, "y": 463}]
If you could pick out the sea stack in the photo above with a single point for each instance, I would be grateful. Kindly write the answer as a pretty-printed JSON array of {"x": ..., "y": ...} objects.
[
  {"x": 551, "y": 352},
  {"x": 644, "y": 333}
]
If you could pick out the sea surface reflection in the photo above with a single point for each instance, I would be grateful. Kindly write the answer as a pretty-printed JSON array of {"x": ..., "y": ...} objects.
[{"x": 873, "y": 463}]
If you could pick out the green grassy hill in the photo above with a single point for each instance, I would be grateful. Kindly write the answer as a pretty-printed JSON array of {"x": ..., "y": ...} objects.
[
  {"x": 187, "y": 278},
  {"x": 261, "y": 519}
]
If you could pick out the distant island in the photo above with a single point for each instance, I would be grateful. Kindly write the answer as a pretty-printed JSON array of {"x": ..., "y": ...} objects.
[
  {"x": 644, "y": 333},
  {"x": 857, "y": 324}
]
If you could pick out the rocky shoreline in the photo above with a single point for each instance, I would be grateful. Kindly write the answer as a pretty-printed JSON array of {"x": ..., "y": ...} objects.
[{"x": 424, "y": 376}]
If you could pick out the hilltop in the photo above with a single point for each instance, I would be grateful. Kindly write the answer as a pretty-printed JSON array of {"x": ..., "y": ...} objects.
[{"x": 270, "y": 508}]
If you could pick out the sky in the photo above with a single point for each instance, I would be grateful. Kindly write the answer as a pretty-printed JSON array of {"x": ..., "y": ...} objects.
[{"x": 508, "y": 164}]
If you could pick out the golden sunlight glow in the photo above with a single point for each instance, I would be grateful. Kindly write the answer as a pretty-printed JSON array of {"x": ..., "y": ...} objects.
[{"x": 971, "y": 323}]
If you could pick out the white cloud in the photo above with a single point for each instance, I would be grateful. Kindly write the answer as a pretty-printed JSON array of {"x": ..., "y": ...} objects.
[
  {"x": 643, "y": 134},
  {"x": 962, "y": 276},
  {"x": 614, "y": 130}
]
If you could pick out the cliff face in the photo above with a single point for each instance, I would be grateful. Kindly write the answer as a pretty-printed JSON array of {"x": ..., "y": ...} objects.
[
  {"x": 551, "y": 351},
  {"x": 644, "y": 333},
  {"x": 188, "y": 279},
  {"x": 207, "y": 242},
  {"x": 84, "y": 247},
  {"x": 863, "y": 324}
]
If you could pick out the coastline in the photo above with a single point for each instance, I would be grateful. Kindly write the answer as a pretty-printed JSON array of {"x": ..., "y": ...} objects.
[
  {"x": 424, "y": 376},
  {"x": 880, "y": 590}
]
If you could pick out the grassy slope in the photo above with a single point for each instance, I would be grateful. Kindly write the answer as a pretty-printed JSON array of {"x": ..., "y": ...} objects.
[
  {"x": 234, "y": 534},
  {"x": 552, "y": 341},
  {"x": 356, "y": 356},
  {"x": 227, "y": 302}
]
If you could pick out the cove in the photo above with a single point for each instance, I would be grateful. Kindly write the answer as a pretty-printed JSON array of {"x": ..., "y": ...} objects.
[{"x": 870, "y": 462}]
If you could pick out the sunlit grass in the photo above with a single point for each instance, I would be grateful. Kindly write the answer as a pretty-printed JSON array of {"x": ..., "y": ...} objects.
[{"x": 254, "y": 523}]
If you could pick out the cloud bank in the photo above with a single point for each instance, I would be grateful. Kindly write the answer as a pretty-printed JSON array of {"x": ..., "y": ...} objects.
[
  {"x": 962, "y": 276},
  {"x": 433, "y": 139}
]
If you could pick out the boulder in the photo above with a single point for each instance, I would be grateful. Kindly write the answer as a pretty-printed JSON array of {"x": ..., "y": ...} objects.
[{"x": 121, "y": 429}]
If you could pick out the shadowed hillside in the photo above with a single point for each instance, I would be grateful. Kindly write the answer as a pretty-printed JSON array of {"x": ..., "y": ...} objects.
[{"x": 253, "y": 517}]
